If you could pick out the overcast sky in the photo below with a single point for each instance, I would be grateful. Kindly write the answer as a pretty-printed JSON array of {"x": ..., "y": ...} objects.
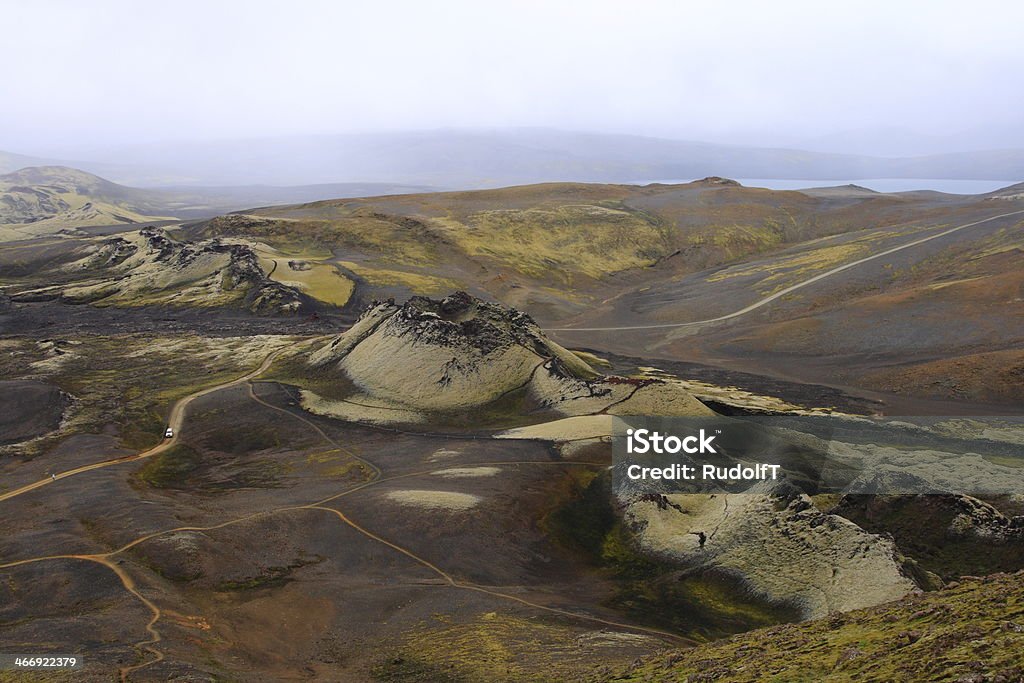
[{"x": 96, "y": 73}]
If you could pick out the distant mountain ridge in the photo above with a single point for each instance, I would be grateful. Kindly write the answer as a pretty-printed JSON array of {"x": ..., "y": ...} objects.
[
  {"x": 501, "y": 157},
  {"x": 40, "y": 200}
]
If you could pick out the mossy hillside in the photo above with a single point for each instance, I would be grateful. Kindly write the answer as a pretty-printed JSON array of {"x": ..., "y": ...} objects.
[
  {"x": 397, "y": 241},
  {"x": 558, "y": 243},
  {"x": 372, "y": 248},
  {"x": 723, "y": 243},
  {"x": 417, "y": 282},
  {"x": 564, "y": 241},
  {"x": 972, "y": 631},
  {"x": 565, "y": 235}
]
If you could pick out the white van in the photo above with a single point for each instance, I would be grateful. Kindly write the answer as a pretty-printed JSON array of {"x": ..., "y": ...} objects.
[{"x": 169, "y": 433}]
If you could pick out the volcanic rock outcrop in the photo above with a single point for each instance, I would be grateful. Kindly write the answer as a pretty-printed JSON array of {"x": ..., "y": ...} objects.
[{"x": 148, "y": 267}]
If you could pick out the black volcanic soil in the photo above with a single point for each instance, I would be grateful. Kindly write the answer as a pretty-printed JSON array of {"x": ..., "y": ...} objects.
[
  {"x": 29, "y": 408},
  {"x": 53, "y": 318},
  {"x": 284, "y": 588}
]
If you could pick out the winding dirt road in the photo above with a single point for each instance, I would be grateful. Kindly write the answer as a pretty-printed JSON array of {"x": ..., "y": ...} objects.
[{"x": 788, "y": 290}]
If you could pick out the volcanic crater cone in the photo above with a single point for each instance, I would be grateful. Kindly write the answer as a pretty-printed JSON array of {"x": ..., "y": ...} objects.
[{"x": 460, "y": 353}]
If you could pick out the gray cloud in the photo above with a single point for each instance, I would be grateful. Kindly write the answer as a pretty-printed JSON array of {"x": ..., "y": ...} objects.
[{"x": 935, "y": 74}]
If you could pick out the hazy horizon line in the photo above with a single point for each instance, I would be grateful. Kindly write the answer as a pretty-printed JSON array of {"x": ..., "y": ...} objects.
[{"x": 56, "y": 152}]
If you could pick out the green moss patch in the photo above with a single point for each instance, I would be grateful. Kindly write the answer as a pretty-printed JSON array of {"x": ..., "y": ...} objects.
[{"x": 972, "y": 632}]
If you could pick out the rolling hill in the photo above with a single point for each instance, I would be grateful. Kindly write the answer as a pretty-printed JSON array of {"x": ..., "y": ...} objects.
[
  {"x": 557, "y": 248},
  {"x": 47, "y": 199}
]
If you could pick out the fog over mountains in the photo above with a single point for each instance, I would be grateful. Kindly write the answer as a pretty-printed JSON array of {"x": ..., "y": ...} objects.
[{"x": 468, "y": 158}]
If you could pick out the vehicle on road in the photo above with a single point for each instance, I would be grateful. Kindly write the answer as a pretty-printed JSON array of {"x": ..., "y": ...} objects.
[{"x": 168, "y": 433}]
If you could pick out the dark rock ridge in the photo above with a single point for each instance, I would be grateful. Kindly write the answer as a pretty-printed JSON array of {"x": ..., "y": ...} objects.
[
  {"x": 462, "y": 318},
  {"x": 151, "y": 265},
  {"x": 263, "y": 295}
]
